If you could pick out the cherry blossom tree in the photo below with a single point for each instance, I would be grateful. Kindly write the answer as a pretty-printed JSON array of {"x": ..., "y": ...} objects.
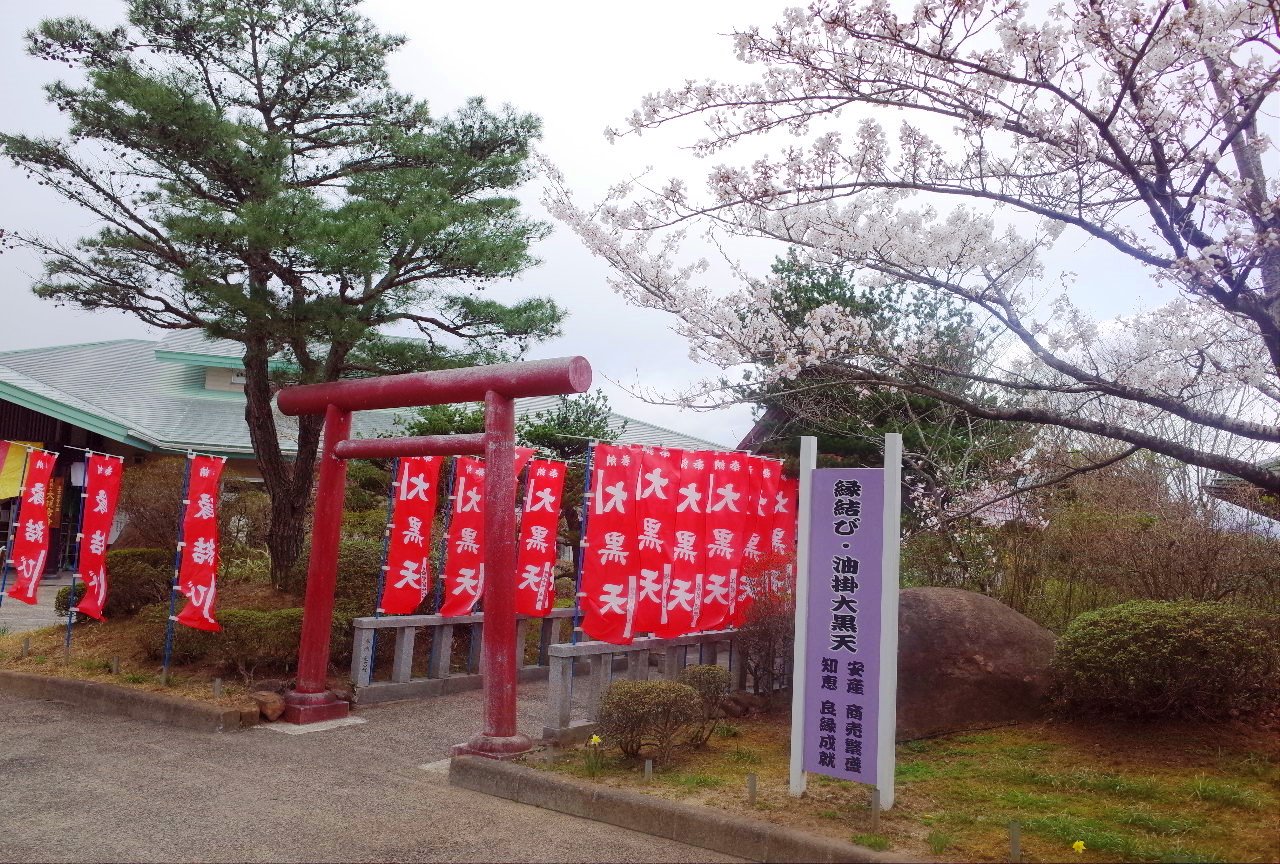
[{"x": 1137, "y": 127}]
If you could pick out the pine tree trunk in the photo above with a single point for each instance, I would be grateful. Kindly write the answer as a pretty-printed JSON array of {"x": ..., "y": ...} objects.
[{"x": 288, "y": 481}]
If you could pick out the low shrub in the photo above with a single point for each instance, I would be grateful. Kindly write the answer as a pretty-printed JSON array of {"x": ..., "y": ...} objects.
[
  {"x": 135, "y": 578},
  {"x": 251, "y": 640},
  {"x": 62, "y": 603},
  {"x": 1182, "y": 659},
  {"x": 711, "y": 683},
  {"x": 648, "y": 715}
]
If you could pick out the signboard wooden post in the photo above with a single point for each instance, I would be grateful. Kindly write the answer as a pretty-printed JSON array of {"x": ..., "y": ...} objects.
[{"x": 844, "y": 687}]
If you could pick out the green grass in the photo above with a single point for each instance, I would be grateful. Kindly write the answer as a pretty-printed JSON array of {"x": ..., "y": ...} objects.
[
  {"x": 1068, "y": 829},
  {"x": 909, "y": 771},
  {"x": 878, "y": 842},
  {"x": 1154, "y": 823},
  {"x": 135, "y": 677},
  {"x": 743, "y": 756},
  {"x": 1256, "y": 765},
  {"x": 728, "y": 730},
  {"x": 1204, "y": 788},
  {"x": 695, "y": 781},
  {"x": 1030, "y": 800},
  {"x": 1084, "y": 778},
  {"x": 939, "y": 842}
]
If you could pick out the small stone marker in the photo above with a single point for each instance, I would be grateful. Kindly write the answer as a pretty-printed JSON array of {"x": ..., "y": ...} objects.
[
  {"x": 26, "y": 647},
  {"x": 115, "y": 665},
  {"x": 875, "y": 811},
  {"x": 271, "y": 705},
  {"x": 648, "y": 770},
  {"x": 1015, "y": 842},
  {"x": 751, "y": 789},
  {"x": 217, "y": 688}
]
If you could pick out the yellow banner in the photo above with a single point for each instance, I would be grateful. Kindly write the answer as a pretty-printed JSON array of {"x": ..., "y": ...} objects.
[{"x": 13, "y": 456}]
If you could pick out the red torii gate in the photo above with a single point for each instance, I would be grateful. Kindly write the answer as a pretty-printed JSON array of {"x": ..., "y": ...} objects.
[{"x": 498, "y": 387}]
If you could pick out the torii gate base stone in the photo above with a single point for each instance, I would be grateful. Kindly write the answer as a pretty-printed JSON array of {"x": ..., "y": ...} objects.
[{"x": 498, "y": 387}]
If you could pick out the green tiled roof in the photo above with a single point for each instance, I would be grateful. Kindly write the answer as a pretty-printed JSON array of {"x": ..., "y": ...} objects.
[{"x": 152, "y": 395}]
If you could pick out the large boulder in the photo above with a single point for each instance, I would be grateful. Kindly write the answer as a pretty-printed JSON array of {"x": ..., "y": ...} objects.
[{"x": 966, "y": 661}]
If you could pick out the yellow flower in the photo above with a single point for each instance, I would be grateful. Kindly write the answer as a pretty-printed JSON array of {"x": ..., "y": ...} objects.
[
  {"x": 1078, "y": 846},
  {"x": 596, "y": 740}
]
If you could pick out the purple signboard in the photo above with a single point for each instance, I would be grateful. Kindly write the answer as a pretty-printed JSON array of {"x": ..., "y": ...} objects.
[{"x": 842, "y": 644}]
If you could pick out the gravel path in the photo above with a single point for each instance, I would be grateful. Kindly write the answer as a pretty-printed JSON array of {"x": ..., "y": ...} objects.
[
  {"x": 16, "y": 617},
  {"x": 89, "y": 787}
]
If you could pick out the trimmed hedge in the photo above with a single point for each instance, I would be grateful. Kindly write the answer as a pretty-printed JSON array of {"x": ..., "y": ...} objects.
[
  {"x": 653, "y": 715},
  {"x": 1183, "y": 659},
  {"x": 62, "y": 603},
  {"x": 251, "y": 640},
  {"x": 135, "y": 578}
]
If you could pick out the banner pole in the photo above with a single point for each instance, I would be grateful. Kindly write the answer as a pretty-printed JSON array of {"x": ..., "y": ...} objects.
[
  {"x": 75, "y": 568},
  {"x": 444, "y": 536},
  {"x": 808, "y": 462},
  {"x": 13, "y": 521},
  {"x": 582, "y": 543},
  {"x": 887, "y": 686},
  {"x": 392, "y": 486},
  {"x": 177, "y": 566}
]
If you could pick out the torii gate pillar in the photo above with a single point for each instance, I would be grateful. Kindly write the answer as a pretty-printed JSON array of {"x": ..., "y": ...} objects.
[{"x": 498, "y": 386}]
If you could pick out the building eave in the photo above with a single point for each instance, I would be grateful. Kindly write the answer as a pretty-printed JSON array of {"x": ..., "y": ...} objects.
[{"x": 67, "y": 414}]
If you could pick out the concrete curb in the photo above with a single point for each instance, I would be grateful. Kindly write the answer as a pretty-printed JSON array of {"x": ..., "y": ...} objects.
[
  {"x": 127, "y": 702},
  {"x": 704, "y": 827}
]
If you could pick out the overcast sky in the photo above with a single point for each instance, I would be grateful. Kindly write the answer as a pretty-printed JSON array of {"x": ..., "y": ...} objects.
[{"x": 581, "y": 66}]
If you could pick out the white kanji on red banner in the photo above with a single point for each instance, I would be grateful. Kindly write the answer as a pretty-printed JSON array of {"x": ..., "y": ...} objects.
[
  {"x": 728, "y": 503},
  {"x": 30, "y": 549},
  {"x": 463, "y": 572},
  {"x": 102, "y": 477},
  {"x": 408, "y": 566},
  {"x": 539, "y": 522},
  {"x": 656, "y": 493},
  {"x": 609, "y": 550},
  {"x": 198, "y": 564}
]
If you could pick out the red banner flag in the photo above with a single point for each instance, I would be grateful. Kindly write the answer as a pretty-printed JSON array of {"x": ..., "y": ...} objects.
[
  {"x": 684, "y": 590},
  {"x": 656, "y": 488},
  {"x": 785, "y": 513},
  {"x": 102, "y": 474},
  {"x": 783, "y": 535},
  {"x": 539, "y": 524},
  {"x": 408, "y": 567},
  {"x": 609, "y": 562},
  {"x": 728, "y": 502},
  {"x": 198, "y": 565},
  {"x": 30, "y": 547},
  {"x": 764, "y": 476},
  {"x": 464, "y": 543},
  {"x": 522, "y": 457},
  {"x": 464, "y": 548}
]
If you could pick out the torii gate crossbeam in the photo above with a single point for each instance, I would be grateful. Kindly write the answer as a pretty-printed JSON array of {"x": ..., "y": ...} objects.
[{"x": 498, "y": 387}]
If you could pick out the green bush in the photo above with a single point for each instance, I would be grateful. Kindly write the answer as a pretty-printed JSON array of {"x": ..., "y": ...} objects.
[
  {"x": 648, "y": 715},
  {"x": 136, "y": 578},
  {"x": 359, "y": 563},
  {"x": 62, "y": 603},
  {"x": 1184, "y": 659},
  {"x": 251, "y": 640},
  {"x": 711, "y": 683}
]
